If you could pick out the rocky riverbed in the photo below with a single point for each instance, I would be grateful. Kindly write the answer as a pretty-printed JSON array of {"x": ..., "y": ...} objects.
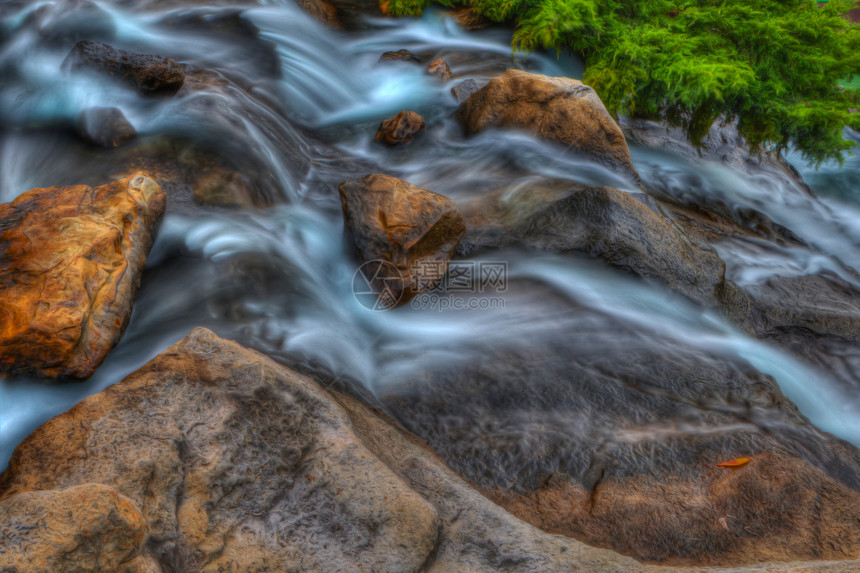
[{"x": 303, "y": 287}]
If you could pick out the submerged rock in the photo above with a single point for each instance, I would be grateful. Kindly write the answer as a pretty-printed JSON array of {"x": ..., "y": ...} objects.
[
  {"x": 556, "y": 109},
  {"x": 70, "y": 264},
  {"x": 611, "y": 225},
  {"x": 105, "y": 126},
  {"x": 440, "y": 69},
  {"x": 69, "y": 21},
  {"x": 88, "y": 527},
  {"x": 400, "y": 56},
  {"x": 400, "y": 129},
  {"x": 234, "y": 463},
  {"x": 149, "y": 74},
  {"x": 464, "y": 89},
  {"x": 394, "y": 223}
]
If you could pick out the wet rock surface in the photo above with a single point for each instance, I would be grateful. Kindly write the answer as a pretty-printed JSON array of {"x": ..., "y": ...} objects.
[
  {"x": 70, "y": 262},
  {"x": 149, "y": 74},
  {"x": 563, "y": 110},
  {"x": 464, "y": 89},
  {"x": 229, "y": 462},
  {"x": 774, "y": 508},
  {"x": 618, "y": 447},
  {"x": 396, "y": 223},
  {"x": 400, "y": 129},
  {"x": 105, "y": 126},
  {"x": 611, "y": 225}
]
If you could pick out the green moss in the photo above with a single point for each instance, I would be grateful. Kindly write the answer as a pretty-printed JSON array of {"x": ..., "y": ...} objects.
[{"x": 774, "y": 65}]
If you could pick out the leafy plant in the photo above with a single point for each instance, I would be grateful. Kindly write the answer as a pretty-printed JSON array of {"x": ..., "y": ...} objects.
[{"x": 778, "y": 67}]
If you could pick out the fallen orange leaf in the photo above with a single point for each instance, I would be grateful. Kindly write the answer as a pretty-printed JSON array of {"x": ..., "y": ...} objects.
[{"x": 739, "y": 462}]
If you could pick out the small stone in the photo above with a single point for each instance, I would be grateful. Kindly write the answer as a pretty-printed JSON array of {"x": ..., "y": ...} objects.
[
  {"x": 400, "y": 56},
  {"x": 400, "y": 129},
  {"x": 440, "y": 69}
]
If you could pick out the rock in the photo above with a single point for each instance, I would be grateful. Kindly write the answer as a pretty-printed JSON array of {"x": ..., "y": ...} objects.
[
  {"x": 149, "y": 74},
  {"x": 468, "y": 19},
  {"x": 735, "y": 516},
  {"x": 400, "y": 56},
  {"x": 70, "y": 264},
  {"x": 412, "y": 229},
  {"x": 723, "y": 144},
  {"x": 477, "y": 535},
  {"x": 440, "y": 69},
  {"x": 213, "y": 458},
  {"x": 223, "y": 188},
  {"x": 610, "y": 434},
  {"x": 560, "y": 216},
  {"x": 88, "y": 527},
  {"x": 400, "y": 129},
  {"x": 323, "y": 11},
  {"x": 236, "y": 465},
  {"x": 825, "y": 305},
  {"x": 464, "y": 89},
  {"x": 556, "y": 109},
  {"x": 105, "y": 126}
]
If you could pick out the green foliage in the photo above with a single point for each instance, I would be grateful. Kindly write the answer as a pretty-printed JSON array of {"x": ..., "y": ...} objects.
[{"x": 778, "y": 67}]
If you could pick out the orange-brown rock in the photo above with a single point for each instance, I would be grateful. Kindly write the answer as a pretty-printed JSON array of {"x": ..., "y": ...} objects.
[
  {"x": 88, "y": 527},
  {"x": 235, "y": 463},
  {"x": 440, "y": 69},
  {"x": 70, "y": 264},
  {"x": 400, "y": 56},
  {"x": 399, "y": 224},
  {"x": 400, "y": 129},
  {"x": 775, "y": 508},
  {"x": 556, "y": 109}
]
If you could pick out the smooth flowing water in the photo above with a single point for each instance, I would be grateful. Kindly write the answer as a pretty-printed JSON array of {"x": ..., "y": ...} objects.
[{"x": 299, "y": 110}]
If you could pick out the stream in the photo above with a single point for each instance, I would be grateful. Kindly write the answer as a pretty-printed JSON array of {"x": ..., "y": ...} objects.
[{"x": 298, "y": 110}]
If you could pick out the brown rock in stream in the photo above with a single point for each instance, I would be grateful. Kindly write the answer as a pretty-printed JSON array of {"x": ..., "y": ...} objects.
[
  {"x": 394, "y": 223},
  {"x": 400, "y": 129},
  {"x": 556, "y": 109},
  {"x": 440, "y": 69},
  {"x": 214, "y": 459},
  {"x": 149, "y": 74},
  {"x": 233, "y": 464},
  {"x": 400, "y": 56},
  {"x": 70, "y": 264}
]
